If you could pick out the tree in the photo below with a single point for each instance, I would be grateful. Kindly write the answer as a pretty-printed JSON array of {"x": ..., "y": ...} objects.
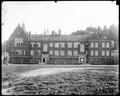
[{"x": 113, "y": 33}]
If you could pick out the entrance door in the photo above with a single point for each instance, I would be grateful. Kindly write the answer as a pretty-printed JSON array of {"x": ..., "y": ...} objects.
[{"x": 44, "y": 60}]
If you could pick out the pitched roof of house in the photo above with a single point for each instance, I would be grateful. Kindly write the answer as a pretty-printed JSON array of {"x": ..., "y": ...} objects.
[{"x": 58, "y": 38}]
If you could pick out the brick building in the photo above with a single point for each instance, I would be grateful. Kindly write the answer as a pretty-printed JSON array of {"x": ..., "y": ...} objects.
[{"x": 90, "y": 48}]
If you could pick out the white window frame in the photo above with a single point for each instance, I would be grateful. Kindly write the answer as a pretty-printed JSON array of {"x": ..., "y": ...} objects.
[
  {"x": 107, "y": 44},
  {"x": 31, "y": 52},
  {"x": 62, "y": 44},
  {"x": 56, "y": 44},
  {"x": 51, "y": 44},
  {"x": 69, "y": 52},
  {"x": 32, "y": 43},
  {"x": 92, "y": 44},
  {"x": 19, "y": 51},
  {"x": 51, "y": 52},
  {"x": 56, "y": 52},
  {"x": 96, "y": 44},
  {"x": 92, "y": 52},
  {"x": 69, "y": 44},
  {"x": 107, "y": 53},
  {"x": 76, "y": 44},
  {"x": 75, "y": 53},
  {"x": 103, "y": 52},
  {"x": 62, "y": 53},
  {"x": 82, "y": 49},
  {"x": 39, "y": 52},
  {"x": 45, "y": 47},
  {"x": 39, "y": 44},
  {"x": 96, "y": 52},
  {"x": 103, "y": 44}
]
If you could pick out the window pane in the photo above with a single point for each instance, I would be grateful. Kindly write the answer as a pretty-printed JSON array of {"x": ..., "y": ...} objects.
[
  {"x": 69, "y": 53},
  {"x": 107, "y": 53},
  {"x": 69, "y": 45},
  {"x": 19, "y": 52},
  {"x": 62, "y": 44},
  {"x": 51, "y": 52},
  {"x": 92, "y": 52},
  {"x": 57, "y": 45},
  {"x": 38, "y": 52},
  {"x": 51, "y": 44},
  {"x": 103, "y": 44},
  {"x": 103, "y": 53},
  {"x": 62, "y": 53},
  {"x": 107, "y": 44},
  {"x": 45, "y": 48},
  {"x": 96, "y": 53},
  {"x": 56, "y": 53},
  {"x": 92, "y": 44},
  {"x": 31, "y": 52},
  {"x": 38, "y": 44},
  {"x": 18, "y": 41},
  {"x": 82, "y": 47},
  {"x": 96, "y": 44},
  {"x": 75, "y": 53},
  {"x": 76, "y": 44}
]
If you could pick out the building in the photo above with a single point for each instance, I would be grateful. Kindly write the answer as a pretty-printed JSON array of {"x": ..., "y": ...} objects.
[{"x": 24, "y": 48}]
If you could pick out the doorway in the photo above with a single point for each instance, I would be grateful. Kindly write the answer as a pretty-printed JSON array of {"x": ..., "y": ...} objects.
[{"x": 44, "y": 60}]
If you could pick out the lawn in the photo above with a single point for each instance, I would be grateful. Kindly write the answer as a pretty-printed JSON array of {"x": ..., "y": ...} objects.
[{"x": 92, "y": 80}]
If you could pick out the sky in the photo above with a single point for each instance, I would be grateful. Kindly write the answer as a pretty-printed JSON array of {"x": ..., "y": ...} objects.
[{"x": 69, "y": 16}]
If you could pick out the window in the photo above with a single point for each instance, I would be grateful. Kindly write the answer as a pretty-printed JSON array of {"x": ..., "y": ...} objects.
[
  {"x": 107, "y": 45},
  {"x": 76, "y": 44},
  {"x": 51, "y": 44},
  {"x": 107, "y": 53},
  {"x": 18, "y": 52},
  {"x": 38, "y": 52},
  {"x": 69, "y": 45},
  {"x": 62, "y": 45},
  {"x": 103, "y": 44},
  {"x": 96, "y": 44},
  {"x": 96, "y": 52},
  {"x": 23, "y": 52},
  {"x": 38, "y": 44},
  {"x": 69, "y": 53},
  {"x": 82, "y": 48},
  {"x": 31, "y": 52},
  {"x": 56, "y": 45},
  {"x": 75, "y": 53},
  {"x": 51, "y": 52},
  {"x": 92, "y": 52},
  {"x": 45, "y": 48},
  {"x": 32, "y": 44},
  {"x": 18, "y": 42},
  {"x": 56, "y": 53},
  {"x": 62, "y": 53},
  {"x": 103, "y": 53},
  {"x": 92, "y": 44}
]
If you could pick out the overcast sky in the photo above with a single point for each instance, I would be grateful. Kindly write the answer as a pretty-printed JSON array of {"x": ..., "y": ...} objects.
[{"x": 68, "y": 16}]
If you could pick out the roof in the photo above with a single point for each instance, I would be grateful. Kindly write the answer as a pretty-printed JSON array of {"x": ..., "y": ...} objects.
[{"x": 58, "y": 38}]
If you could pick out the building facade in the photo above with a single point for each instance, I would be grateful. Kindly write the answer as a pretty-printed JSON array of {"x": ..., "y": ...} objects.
[{"x": 26, "y": 48}]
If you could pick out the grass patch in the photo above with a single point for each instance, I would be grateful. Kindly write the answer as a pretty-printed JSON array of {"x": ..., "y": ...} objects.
[{"x": 90, "y": 81}]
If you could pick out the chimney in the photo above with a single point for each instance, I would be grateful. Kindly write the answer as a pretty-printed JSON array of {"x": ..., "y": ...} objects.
[
  {"x": 59, "y": 32},
  {"x": 29, "y": 33},
  {"x": 52, "y": 33}
]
